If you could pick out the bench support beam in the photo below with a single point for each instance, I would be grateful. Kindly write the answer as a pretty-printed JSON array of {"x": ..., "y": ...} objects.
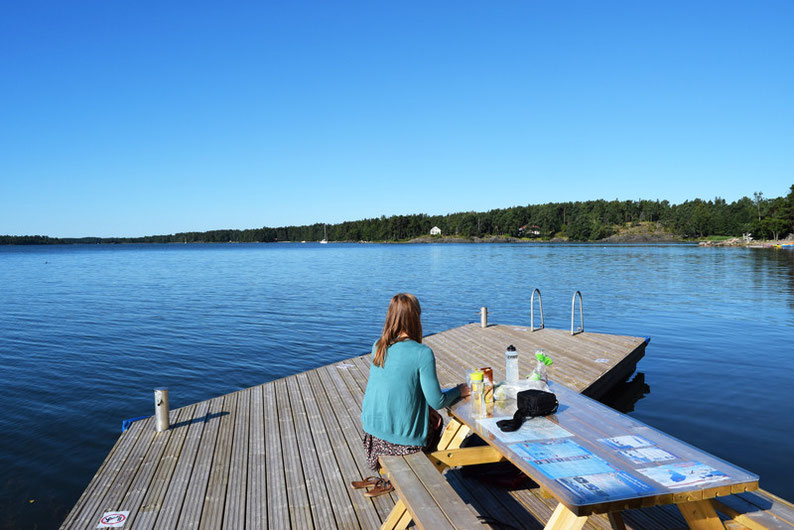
[
  {"x": 398, "y": 518},
  {"x": 563, "y": 518},
  {"x": 700, "y": 515},
  {"x": 468, "y": 456}
]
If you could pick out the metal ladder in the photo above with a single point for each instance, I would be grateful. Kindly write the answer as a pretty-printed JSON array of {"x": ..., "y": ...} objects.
[
  {"x": 574, "y": 331},
  {"x": 532, "y": 311},
  {"x": 580, "y": 329}
]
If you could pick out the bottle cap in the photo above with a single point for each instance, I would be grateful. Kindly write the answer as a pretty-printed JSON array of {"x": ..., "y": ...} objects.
[
  {"x": 511, "y": 348},
  {"x": 476, "y": 375}
]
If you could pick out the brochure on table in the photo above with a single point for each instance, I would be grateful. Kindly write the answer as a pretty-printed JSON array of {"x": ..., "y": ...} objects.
[
  {"x": 683, "y": 474},
  {"x": 562, "y": 458},
  {"x": 605, "y": 486}
]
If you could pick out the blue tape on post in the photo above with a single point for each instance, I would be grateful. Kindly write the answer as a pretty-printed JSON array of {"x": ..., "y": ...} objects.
[
  {"x": 126, "y": 423},
  {"x": 647, "y": 340}
]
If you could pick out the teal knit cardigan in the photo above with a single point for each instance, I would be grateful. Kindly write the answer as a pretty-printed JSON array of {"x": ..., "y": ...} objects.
[{"x": 398, "y": 394}]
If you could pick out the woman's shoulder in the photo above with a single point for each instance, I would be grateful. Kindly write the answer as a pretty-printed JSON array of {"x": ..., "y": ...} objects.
[
  {"x": 410, "y": 348},
  {"x": 420, "y": 349}
]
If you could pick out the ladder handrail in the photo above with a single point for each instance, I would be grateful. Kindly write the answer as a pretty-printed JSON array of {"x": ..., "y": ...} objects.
[
  {"x": 532, "y": 311},
  {"x": 581, "y": 313}
]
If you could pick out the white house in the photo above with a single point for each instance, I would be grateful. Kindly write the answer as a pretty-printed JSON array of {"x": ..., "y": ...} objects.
[{"x": 435, "y": 231}]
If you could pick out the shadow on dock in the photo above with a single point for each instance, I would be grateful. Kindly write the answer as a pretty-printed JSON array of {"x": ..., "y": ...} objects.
[{"x": 203, "y": 419}]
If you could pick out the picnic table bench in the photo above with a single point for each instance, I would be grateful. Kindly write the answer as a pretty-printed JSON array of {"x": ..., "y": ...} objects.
[{"x": 424, "y": 496}]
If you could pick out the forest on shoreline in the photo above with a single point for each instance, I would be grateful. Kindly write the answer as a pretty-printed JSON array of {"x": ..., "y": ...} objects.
[{"x": 593, "y": 220}]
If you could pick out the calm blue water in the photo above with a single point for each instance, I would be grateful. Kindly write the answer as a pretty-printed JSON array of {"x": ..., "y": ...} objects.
[{"x": 86, "y": 333}]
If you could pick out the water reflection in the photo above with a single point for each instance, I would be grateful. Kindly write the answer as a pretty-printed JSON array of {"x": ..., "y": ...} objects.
[{"x": 625, "y": 395}]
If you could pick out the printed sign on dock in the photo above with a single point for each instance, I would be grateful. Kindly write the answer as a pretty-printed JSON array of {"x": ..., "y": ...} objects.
[{"x": 113, "y": 519}]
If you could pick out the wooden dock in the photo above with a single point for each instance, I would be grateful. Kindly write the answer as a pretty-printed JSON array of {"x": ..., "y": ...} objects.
[{"x": 282, "y": 454}]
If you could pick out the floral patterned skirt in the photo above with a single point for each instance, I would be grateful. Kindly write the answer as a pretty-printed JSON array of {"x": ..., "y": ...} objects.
[{"x": 374, "y": 447}]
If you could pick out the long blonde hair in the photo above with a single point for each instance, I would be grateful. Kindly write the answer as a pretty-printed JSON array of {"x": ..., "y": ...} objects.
[{"x": 404, "y": 317}]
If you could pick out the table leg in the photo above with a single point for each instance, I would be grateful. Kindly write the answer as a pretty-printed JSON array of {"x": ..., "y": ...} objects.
[
  {"x": 451, "y": 439},
  {"x": 616, "y": 520},
  {"x": 700, "y": 515},
  {"x": 399, "y": 518},
  {"x": 563, "y": 518},
  {"x": 453, "y": 435}
]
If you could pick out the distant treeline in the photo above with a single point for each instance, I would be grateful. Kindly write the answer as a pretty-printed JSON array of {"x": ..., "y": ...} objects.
[{"x": 578, "y": 221}]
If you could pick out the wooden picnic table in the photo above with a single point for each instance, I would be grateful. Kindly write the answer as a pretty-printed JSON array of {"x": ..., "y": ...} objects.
[{"x": 593, "y": 459}]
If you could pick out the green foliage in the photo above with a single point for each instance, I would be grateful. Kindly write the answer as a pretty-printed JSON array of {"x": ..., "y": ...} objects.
[{"x": 577, "y": 221}]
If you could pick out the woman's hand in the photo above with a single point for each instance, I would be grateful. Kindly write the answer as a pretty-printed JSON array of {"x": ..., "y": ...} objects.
[{"x": 465, "y": 391}]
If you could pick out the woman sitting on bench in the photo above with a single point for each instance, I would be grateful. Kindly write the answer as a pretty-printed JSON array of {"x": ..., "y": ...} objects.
[{"x": 398, "y": 415}]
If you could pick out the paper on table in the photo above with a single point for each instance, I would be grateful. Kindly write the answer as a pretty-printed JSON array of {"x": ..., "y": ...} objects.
[
  {"x": 605, "y": 486},
  {"x": 646, "y": 455},
  {"x": 626, "y": 442},
  {"x": 534, "y": 429},
  {"x": 683, "y": 474},
  {"x": 562, "y": 458}
]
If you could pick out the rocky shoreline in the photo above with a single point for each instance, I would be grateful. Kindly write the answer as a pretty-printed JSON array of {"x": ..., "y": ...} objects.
[{"x": 740, "y": 242}]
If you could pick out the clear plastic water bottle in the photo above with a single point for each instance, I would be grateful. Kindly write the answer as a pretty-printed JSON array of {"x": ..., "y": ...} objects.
[
  {"x": 477, "y": 393},
  {"x": 511, "y": 365}
]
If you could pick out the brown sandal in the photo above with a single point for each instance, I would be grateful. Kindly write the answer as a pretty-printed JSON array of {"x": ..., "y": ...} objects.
[
  {"x": 382, "y": 486},
  {"x": 369, "y": 482}
]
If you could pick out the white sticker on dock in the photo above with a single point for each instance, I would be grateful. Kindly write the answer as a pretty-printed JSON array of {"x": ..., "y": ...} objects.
[{"x": 113, "y": 519}]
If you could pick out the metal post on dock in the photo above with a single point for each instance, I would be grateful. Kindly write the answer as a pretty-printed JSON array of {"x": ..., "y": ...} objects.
[
  {"x": 161, "y": 409},
  {"x": 483, "y": 317}
]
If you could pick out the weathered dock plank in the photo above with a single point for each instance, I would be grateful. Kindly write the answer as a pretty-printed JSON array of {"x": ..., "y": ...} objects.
[
  {"x": 360, "y": 512},
  {"x": 256, "y": 485},
  {"x": 215, "y": 497},
  {"x": 322, "y": 513},
  {"x": 276, "y": 496},
  {"x": 299, "y": 507},
  {"x": 234, "y": 509},
  {"x": 178, "y": 485},
  {"x": 339, "y": 503},
  {"x": 133, "y": 499},
  {"x": 158, "y": 488},
  {"x": 349, "y": 401},
  {"x": 199, "y": 479}
]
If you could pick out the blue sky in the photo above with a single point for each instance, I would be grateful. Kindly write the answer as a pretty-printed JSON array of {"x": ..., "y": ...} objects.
[{"x": 134, "y": 118}]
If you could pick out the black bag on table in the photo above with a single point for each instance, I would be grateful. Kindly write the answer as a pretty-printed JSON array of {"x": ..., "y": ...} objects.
[{"x": 531, "y": 403}]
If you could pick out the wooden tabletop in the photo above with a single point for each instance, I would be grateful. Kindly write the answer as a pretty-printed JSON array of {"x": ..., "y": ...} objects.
[{"x": 594, "y": 459}]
